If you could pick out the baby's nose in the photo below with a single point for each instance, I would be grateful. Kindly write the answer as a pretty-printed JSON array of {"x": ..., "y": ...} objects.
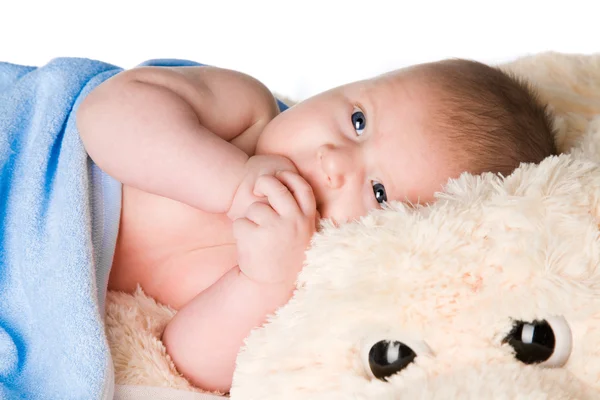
[{"x": 337, "y": 164}]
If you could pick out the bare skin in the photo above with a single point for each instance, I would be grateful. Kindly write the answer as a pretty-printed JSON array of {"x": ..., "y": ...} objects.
[{"x": 221, "y": 193}]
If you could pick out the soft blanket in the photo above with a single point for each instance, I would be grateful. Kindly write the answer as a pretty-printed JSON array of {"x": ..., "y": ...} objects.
[{"x": 55, "y": 234}]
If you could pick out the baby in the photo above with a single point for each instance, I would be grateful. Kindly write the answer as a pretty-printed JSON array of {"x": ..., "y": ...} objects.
[{"x": 222, "y": 193}]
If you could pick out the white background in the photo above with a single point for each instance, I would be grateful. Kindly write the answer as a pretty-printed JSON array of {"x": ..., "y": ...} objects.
[{"x": 296, "y": 47}]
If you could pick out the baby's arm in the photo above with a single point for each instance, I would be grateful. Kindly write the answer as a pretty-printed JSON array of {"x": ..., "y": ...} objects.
[
  {"x": 205, "y": 336},
  {"x": 166, "y": 131}
]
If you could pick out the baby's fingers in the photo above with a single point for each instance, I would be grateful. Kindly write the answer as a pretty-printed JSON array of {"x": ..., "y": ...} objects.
[
  {"x": 301, "y": 190},
  {"x": 260, "y": 213},
  {"x": 279, "y": 196},
  {"x": 242, "y": 227}
]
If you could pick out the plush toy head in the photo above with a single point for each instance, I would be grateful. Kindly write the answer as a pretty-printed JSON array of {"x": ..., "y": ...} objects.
[{"x": 494, "y": 291}]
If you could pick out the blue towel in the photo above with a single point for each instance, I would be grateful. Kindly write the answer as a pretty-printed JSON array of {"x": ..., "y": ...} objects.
[{"x": 58, "y": 222}]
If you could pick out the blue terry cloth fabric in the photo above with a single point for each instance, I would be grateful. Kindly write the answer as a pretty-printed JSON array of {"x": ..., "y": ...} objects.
[{"x": 59, "y": 218}]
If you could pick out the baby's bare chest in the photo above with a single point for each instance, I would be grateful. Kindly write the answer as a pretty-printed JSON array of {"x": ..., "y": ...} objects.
[{"x": 171, "y": 250}]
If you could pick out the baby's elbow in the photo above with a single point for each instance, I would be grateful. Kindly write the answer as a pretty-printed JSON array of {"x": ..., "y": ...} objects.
[
  {"x": 203, "y": 369},
  {"x": 91, "y": 115},
  {"x": 85, "y": 125},
  {"x": 99, "y": 107},
  {"x": 212, "y": 380}
]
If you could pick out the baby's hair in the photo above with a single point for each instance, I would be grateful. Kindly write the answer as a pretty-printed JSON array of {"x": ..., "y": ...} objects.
[{"x": 494, "y": 120}]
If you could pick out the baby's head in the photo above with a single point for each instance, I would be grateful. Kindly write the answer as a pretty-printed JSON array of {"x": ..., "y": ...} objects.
[
  {"x": 402, "y": 135},
  {"x": 490, "y": 120}
]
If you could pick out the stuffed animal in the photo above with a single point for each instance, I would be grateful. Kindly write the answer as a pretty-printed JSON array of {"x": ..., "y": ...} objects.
[{"x": 492, "y": 292}]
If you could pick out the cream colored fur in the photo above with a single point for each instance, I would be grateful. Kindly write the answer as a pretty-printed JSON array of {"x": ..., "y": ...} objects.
[{"x": 448, "y": 281}]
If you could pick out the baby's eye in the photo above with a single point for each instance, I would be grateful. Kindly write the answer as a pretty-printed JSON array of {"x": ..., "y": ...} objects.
[
  {"x": 379, "y": 192},
  {"x": 359, "y": 121}
]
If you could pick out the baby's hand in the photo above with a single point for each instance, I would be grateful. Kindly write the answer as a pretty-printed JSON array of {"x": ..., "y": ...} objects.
[
  {"x": 272, "y": 238},
  {"x": 256, "y": 166}
]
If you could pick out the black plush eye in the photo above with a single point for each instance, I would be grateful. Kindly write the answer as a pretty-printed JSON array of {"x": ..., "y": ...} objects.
[
  {"x": 546, "y": 342},
  {"x": 359, "y": 122},
  {"x": 389, "y": 357}
]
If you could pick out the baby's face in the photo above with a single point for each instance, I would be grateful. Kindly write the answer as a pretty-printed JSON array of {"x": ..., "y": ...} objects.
[{"x": 362, "y": 144}]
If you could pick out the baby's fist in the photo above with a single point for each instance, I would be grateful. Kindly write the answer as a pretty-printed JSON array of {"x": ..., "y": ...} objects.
[
  {"x": 271, "y": 238},
  {"x": 256, "y": 166}
]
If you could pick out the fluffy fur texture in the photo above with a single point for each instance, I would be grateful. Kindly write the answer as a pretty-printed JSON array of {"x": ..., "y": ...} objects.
[
  {"x": 134, "y": 325},
  {"x": 449, "y": 281}
]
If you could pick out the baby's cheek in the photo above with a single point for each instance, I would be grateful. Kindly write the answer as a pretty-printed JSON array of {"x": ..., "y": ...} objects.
[{"x": 344, "y": 214}]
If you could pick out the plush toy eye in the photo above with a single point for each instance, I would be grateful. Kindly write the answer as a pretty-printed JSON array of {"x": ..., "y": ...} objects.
[
  {"x": 546, "y": 342},
  {"x": 389, "y": 357}
]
